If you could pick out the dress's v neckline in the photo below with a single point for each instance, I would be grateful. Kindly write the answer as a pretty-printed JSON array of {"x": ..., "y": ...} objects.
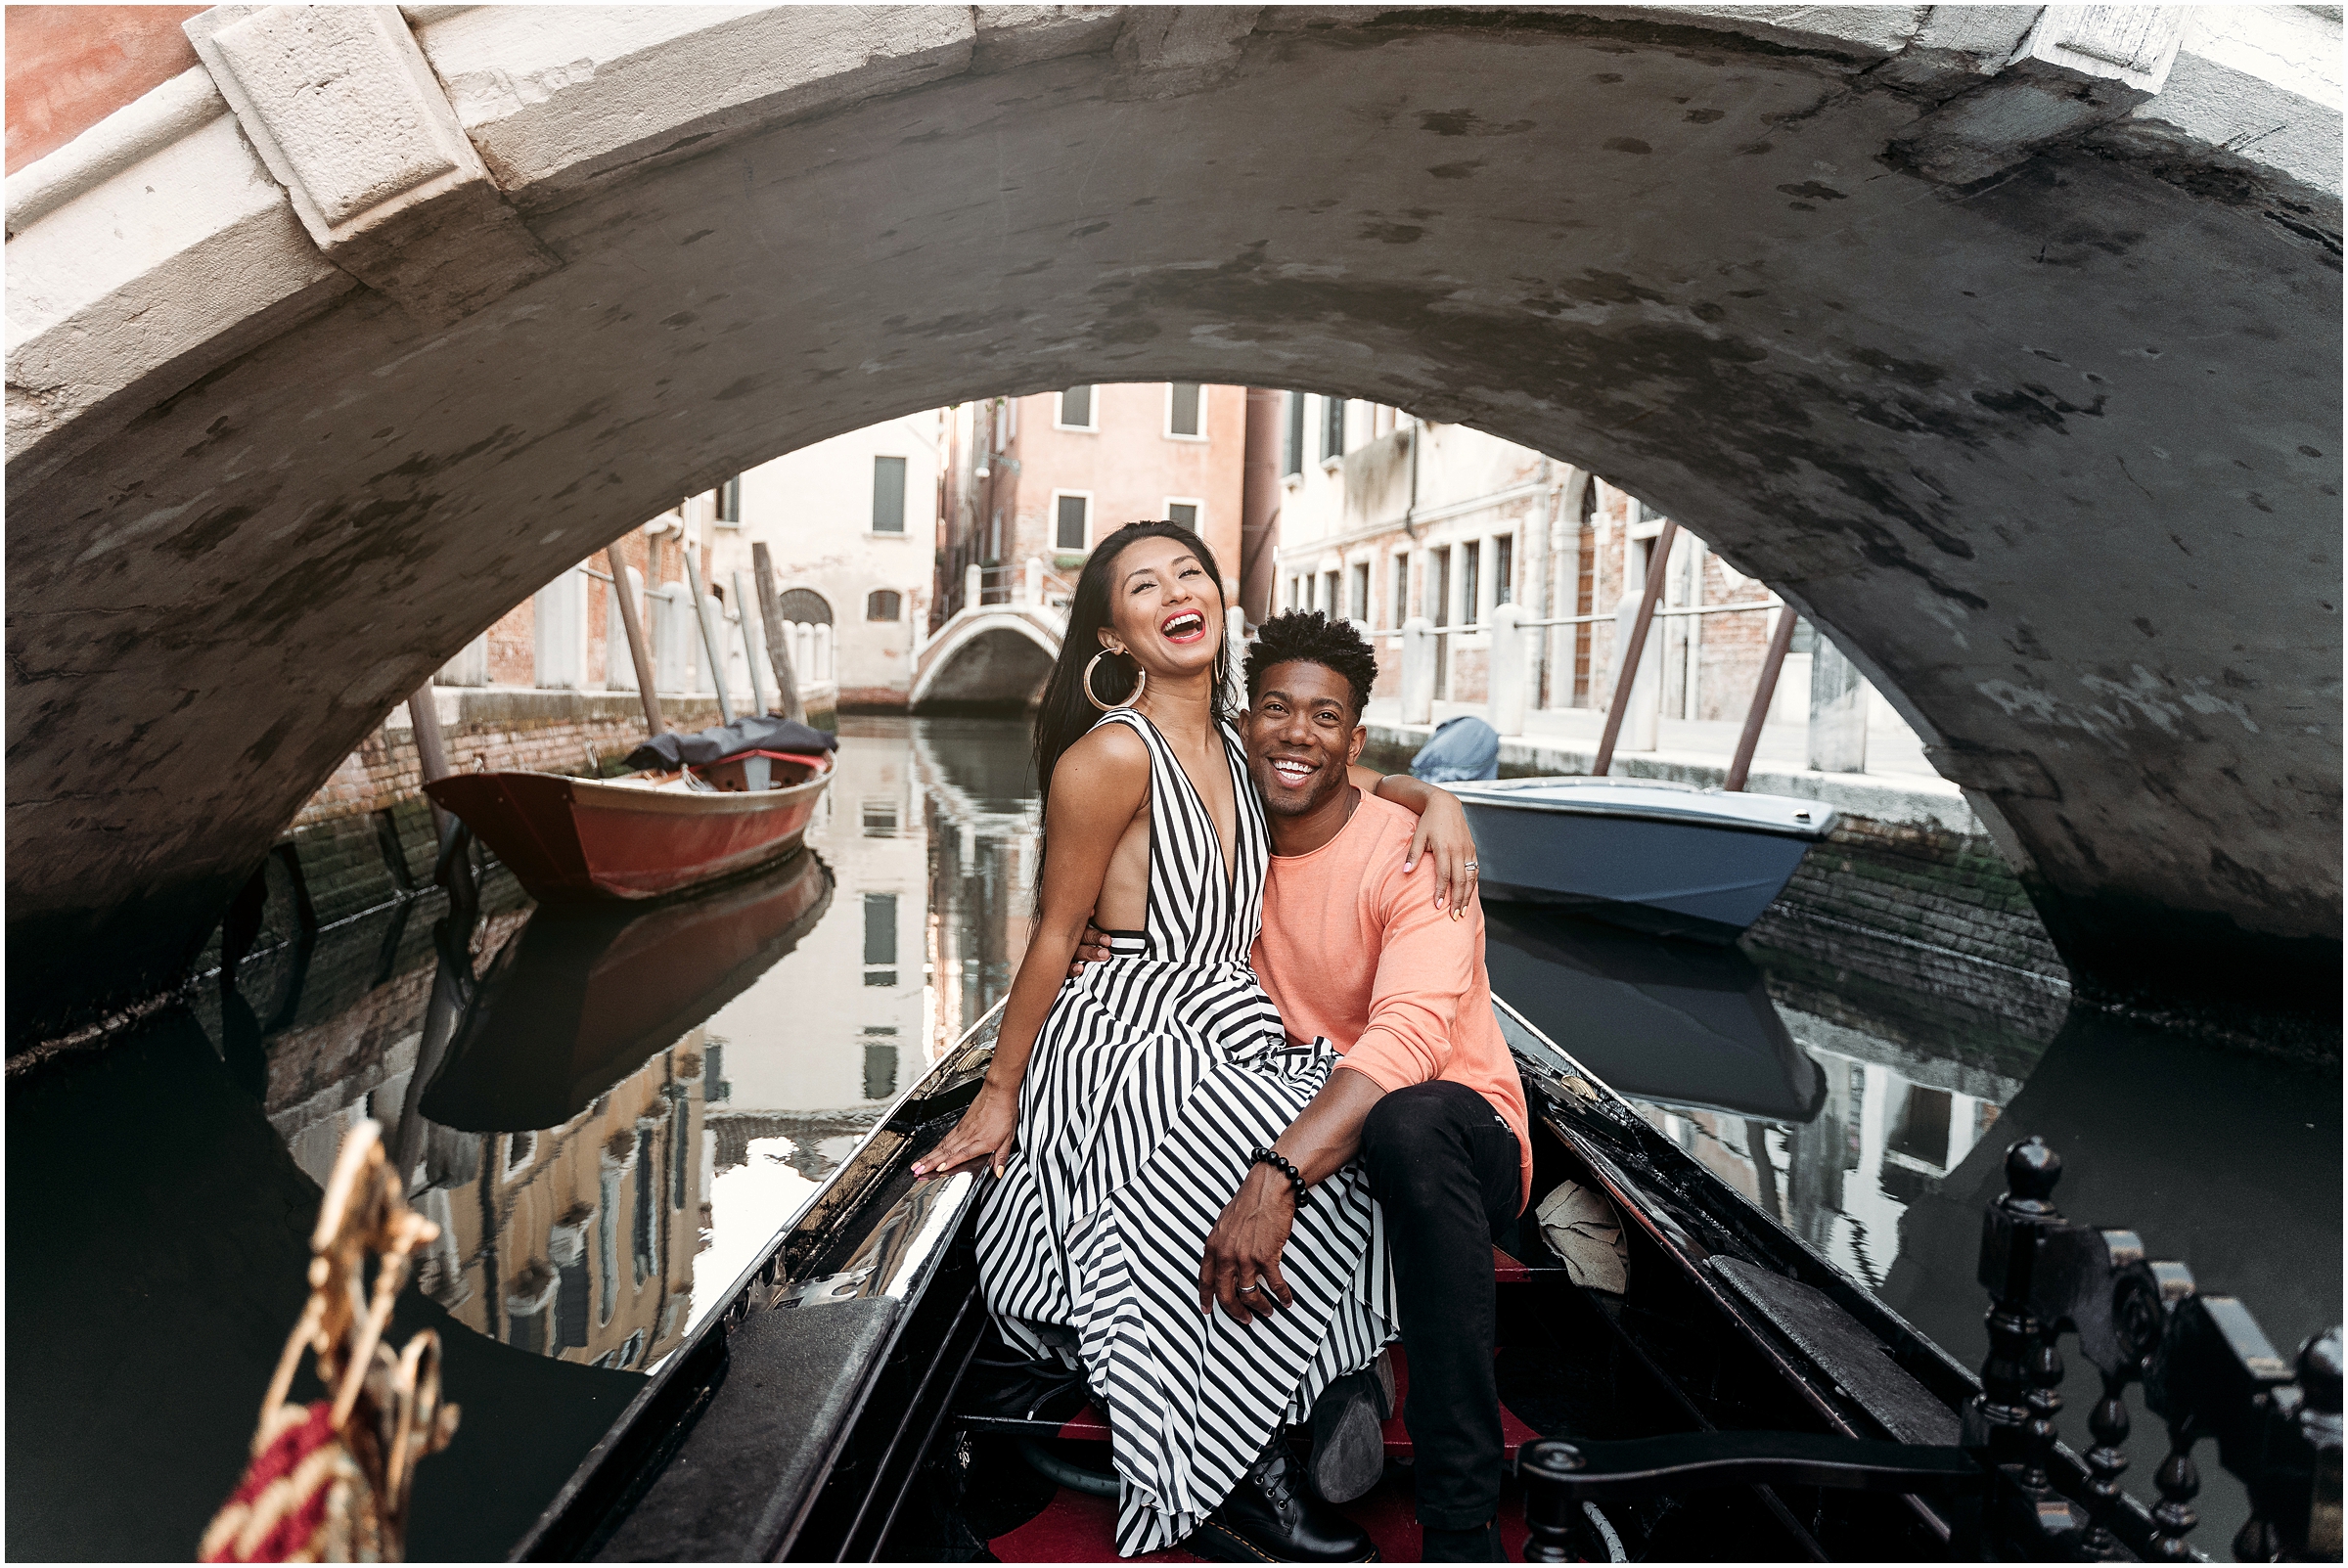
[{"x": 1231, "y": 857}]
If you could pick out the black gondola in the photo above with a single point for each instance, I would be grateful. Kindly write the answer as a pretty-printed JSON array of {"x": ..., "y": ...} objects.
[{"x": 848, "y": 1402}]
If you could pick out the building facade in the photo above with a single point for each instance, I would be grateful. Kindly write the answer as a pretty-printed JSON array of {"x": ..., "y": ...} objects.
[
  {"x": 1385, "y": 517},
  {"x": 852, "y": 524},
  {"x": 1048, "y": 475}
]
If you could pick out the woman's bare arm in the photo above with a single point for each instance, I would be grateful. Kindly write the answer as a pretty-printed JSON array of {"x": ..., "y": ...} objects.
[
  {"x": 1442, "y": 833},
  {"x": 1100, "y": 784}
]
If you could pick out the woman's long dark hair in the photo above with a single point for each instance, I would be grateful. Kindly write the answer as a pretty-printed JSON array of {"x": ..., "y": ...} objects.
[{"x": 1065, "y": 715}]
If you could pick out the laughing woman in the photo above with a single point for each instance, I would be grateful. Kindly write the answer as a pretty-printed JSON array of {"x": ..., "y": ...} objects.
[{"x": 1123, "y": 1105}]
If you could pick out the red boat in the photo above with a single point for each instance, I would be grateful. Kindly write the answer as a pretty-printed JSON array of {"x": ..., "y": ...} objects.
[{"x": 644, "y": 837}]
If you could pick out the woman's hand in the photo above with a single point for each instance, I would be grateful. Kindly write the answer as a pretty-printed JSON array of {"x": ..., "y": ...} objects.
[
  {"x": 984, "y": 1136},
  {"x": 1443, "y": 837}
]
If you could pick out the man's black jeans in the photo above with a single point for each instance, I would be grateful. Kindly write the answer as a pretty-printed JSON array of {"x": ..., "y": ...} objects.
[{"x": 1447, "y": 1172}]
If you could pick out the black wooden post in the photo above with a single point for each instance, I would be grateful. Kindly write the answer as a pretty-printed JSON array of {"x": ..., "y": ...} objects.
[{"x": 2012, "y": 1421}]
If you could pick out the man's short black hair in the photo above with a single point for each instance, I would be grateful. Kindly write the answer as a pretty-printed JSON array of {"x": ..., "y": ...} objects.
[{"x": 1307, "y": 634}]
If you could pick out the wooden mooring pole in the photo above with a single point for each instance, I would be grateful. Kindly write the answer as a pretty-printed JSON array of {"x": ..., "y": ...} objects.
[
  {"x": 749, "y": 646},
  {"x": 1780, "y": 638},
  {"x": 634, "y": 628},
  {"x": 1628, "y": 674},
  {"x": 432, "y": 750},
  {"x": 710, "y": 639},
  {"x": 777, "y": 643}
]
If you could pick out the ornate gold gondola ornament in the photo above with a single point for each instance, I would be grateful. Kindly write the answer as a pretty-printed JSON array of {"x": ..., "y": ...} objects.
[{"x": 329, "y": 1480}]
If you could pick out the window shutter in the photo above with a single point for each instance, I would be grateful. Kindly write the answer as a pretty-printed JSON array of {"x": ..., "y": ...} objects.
[{"x": 888, "y": 495}]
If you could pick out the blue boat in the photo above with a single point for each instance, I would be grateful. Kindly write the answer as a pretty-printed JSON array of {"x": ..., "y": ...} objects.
[{"x": 1649, "y": 854}]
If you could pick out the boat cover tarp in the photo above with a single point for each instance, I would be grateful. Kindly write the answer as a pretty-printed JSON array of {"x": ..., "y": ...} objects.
[
  {"x": 750, "y": 733},
  {"x": 1465, "y": 748}
]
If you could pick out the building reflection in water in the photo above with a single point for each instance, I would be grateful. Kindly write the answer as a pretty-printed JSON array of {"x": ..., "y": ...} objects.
[
  {"x": 630, "y": 1106},
  {"x": 630, "y": 1112}
]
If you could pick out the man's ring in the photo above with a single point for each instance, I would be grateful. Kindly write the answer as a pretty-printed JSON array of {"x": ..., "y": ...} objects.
[
  {"x": 1244, "y": 1289},
  {"x": 1471, "y": 867}
]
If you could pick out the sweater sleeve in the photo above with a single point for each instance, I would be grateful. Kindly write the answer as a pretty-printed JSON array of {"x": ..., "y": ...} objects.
[{"x": 1425, "y": 969}]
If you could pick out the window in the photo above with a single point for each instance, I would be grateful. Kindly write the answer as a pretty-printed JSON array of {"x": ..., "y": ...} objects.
[
  {"x": 1438, "y": 585},
  {"x": 1184, "y": 514},
  {"x": 880, "y": 1063},
  {"x": 1504, "y": 569},
  {"x": 1402, "y": 588},
  {"x": 1292, "y": 461},
  {"x": 1076, "y": 409},
  {"x": 1360, "y": 609},
  {"x": 1332, "y": 428},
  {"x": 888, "y": 495},
  {"x": 880, "y": 928},
  {"x": 880, "y": 939},
  {"x": 1186, "y": 410},
  {"x": 1471, "y": 570},
  {"x": 1328, "y": 594},
  {"x": 806, "y": 605},
  {"x": 1072, "y": 521},
  {"x": 729, "y": 502},
  {"x": 1295, "y": 592},
  {"x": 880, "y": 819},
  {"x": 883, "y": 605},
  {"x": 1642, "y": 513}
]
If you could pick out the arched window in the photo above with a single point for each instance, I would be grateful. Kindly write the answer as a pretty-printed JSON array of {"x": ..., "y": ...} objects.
[
  {"x": 807, "y": 605},
  {"x": 882, "y": 605}
]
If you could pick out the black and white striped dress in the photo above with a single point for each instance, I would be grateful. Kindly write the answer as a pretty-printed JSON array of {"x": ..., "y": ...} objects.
[{"x": 1154, "y": 1074}]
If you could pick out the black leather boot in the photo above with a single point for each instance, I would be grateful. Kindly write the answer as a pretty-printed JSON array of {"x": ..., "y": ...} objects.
[{"x": 1273, "y": 1516}]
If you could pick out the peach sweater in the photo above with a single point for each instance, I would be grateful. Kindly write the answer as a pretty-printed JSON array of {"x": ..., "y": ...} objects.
[{"x": 1355, "y": 951}]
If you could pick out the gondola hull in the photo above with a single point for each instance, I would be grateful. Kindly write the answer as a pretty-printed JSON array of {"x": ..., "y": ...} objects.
[
  {"x": 585, "y": 840},
  {"x": 830, "y": 1409}
]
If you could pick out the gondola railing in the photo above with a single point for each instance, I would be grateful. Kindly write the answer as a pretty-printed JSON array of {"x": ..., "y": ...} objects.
[{"x": 2208, "y": 1372}]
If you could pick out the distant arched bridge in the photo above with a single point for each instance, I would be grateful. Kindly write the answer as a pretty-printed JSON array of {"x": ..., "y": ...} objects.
[{"x": 993, "y": 655}]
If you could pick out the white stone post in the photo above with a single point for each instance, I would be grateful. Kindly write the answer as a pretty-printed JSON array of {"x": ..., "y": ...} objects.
[
  {"x": 1837, "y": 711},
  {"x": 974, "y": 586},
  {"x": 1507, "y": 680},
  {"x": 1035, "y": 581},
  {"x": 1643, "y": 704},
  {"x": 1417, "y": 670}
]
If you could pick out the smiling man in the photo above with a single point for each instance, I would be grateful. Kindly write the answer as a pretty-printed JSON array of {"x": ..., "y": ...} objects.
[{"x": 1428, "y": 1095}]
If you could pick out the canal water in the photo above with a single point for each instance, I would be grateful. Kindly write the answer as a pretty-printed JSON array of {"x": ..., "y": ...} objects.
[{"x": 608, "y": 1117}]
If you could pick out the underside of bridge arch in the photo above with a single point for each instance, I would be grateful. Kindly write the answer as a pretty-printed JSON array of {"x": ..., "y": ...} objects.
[
  {"x": 994, "y": 669},
  {"x": 2053, "y": 451}
]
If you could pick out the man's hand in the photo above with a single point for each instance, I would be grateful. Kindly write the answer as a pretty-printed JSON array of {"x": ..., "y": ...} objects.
[
  {"x": 1241, "y": 1268},
  {"x": 1091, "y": 948}
]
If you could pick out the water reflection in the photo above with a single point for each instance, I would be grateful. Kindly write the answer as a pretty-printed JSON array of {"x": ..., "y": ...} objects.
[
  {"x": 626, "y": 1105},
  {"x": 609, "y": 1117}
]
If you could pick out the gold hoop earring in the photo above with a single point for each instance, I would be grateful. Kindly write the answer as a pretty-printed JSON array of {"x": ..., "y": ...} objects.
[{"x": 1141, "y": 682}]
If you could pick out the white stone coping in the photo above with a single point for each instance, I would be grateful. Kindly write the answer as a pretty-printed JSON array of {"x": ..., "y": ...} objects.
[{"x": 527, "y": 704}]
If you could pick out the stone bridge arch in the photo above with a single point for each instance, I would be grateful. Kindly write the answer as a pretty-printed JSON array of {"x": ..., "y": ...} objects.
[
  {"x": 991, "y": 656},
  {"x": 2004, "y": 341}
]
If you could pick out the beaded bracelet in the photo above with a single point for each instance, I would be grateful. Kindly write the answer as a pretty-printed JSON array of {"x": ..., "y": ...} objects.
[{"x": 1281, "y": 1163}]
